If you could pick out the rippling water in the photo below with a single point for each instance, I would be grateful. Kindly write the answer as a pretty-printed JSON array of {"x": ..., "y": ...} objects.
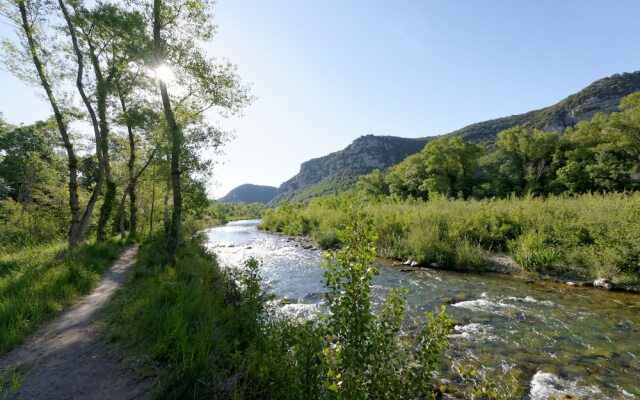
[{"x": 572, "y": 340}]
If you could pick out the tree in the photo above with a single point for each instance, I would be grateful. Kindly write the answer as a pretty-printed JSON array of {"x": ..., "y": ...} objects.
[
  {"x": 602, "y": 154},
  {"x": 30, "y": 165},
  {"x": 373, "y": 184},
  {"x": 404, "y": 179},
  {"x": 200, "y": 84},
  {"x": 451, "y": 166},
  {"x": 528, "y": 154},
  {"x": 30, "y": 17}
]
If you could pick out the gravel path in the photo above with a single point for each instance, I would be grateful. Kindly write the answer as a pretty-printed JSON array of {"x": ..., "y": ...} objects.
[{"x": 66, "y": 358}]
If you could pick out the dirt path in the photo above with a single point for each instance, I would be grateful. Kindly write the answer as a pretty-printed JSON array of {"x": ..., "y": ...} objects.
[{"x": 66, "y": 359}]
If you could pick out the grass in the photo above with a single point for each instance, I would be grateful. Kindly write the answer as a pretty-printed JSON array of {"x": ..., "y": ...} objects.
[
  {"x": 578, "y": 237},
  {"x": 191, "y": 323},
  {"x": 37, "y": 282}
]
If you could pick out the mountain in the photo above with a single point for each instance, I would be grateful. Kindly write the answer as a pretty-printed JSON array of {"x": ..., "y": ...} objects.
[
  {"x": 340, "y": 170},
  {"x": 249, "y": 193},
  {"x": 601, "y": 96}
]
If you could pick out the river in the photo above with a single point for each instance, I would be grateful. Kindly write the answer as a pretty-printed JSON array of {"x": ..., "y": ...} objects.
[{"x": 565, "y": 340}]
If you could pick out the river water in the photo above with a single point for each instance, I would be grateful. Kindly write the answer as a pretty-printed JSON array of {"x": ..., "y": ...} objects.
[{"x": 565, "y": 340}]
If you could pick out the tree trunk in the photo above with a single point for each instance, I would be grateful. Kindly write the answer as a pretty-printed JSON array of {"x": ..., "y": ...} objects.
[
  {"x": 88, "y": 212},
  {"x": 128, "y": 190},
  {"x": 102, "y": 91},
  {"x": 167, "y": 219},
  {"x": 153, "y": 201},
  {"x": 176, "y": 138},
  {"x": 133, "y": 210},
  {"x": 74, "y": 235}
]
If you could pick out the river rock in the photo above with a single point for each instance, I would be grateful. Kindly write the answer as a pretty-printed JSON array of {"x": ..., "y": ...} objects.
[
  {"x": 434, "y": 265},
  {"x": 571, "y": 283},
  {"x": 602, "y": 283},
  {"x": 408, "y": 262},
  {"x": 414, "y": 263}
]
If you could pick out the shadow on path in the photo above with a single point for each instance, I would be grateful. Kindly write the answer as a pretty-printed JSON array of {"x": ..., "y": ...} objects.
[{"x": 65, "y": 358}]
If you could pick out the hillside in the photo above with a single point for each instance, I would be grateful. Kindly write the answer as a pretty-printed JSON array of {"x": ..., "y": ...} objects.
[
  {"x": 249, "y": 193},
  {"x": 601, "y": 96},
  {"x": 339, "y": 170}
]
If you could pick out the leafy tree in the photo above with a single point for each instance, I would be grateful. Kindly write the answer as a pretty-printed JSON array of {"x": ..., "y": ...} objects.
[
  {"x": 31, "y": 22},
  {"x": 602, "y": 154},
  {"x": 373, "y": 184},
  {"x": 200, "y": 84},
  {"x": 451, "y": 166},
  {"x": 404, "y": 179},
  {"x": 364, "y": 357},
  {"x": 529, "y": 155},
  {"x": 30, "y": 165}
]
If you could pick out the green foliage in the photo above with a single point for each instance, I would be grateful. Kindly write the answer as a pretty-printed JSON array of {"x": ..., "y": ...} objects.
[
  {"x": 602, "y": 154},
  {"x": 206, "y": 332},
  {"x": 37, "y": 282},
  {"x": 196, "y": 323},
  {"x": 451, "y": 166},
  {"x": 585, "y": 236},
  {"x": 598, "y": 155},
  {"x": 364, "y": 354},
  {"x": 528, "y": 155}
]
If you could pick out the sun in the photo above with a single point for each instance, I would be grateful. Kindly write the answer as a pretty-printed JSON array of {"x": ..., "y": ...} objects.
[{"x": 165, "y": 73}]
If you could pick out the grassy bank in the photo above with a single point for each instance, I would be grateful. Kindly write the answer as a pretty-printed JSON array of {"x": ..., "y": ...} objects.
[
  {"x": 205, "y": 332},
  {"x": 193, "y": 325},
  {"x": 38, "y": 281},
  {"x": 579, "y": 237}
]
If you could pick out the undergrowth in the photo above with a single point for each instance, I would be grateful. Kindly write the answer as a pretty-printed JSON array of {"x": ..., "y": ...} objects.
[{"x": 36, "y": 282}]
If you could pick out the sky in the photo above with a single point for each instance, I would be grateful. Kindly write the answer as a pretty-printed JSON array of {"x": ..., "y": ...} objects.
[{"x": 325, "y": 72}]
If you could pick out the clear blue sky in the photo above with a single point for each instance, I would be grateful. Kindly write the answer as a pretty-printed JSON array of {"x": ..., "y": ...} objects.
[{"x": 326, "y": 72}]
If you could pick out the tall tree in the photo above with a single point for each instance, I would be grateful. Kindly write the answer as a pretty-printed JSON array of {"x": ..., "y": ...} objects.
[
  {"x": 201, "y": 84},
  {"x": 84, "y": 223},
  {"x": 174, "y": 133},
  {"x": 27, "y": 15},
  {"x": 529, "y": 154},
  {"x": 452, "y": 166}
]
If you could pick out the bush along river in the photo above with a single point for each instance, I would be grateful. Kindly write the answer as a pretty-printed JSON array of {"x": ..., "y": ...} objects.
[{"x": 565, "y": 340}]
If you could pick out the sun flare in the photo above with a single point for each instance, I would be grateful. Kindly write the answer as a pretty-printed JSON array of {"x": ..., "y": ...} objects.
[{"x": 165, "y": 73}]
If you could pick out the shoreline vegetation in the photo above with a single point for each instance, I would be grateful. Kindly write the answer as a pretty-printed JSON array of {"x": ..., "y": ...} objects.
[
  {"x": 577, "y": 239},
  {"x": 197, "y": 330}
]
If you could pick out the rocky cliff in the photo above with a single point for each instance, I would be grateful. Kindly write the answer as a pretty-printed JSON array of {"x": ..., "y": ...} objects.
[
  {"x": 337, "y": 170},
  {"x": 601, "y": 96}
]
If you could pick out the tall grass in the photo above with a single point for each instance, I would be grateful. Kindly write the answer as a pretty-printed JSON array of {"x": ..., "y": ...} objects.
[
  {"x": 204, "y": 332},
  {"x": 194, "y": 323},
  {"x": 38, "y": 281},
  {"x": 582, "y": 237}
]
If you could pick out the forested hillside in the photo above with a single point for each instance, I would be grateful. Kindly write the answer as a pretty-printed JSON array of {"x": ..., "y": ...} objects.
[
  {"x": 339, "y": 171},
  {"x": 601, "y": 96},
  {"x": 249, "y": 193}
]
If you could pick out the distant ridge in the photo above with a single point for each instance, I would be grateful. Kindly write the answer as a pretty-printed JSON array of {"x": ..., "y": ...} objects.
[
  {"x": 601, "y": 96},
  {"x": 340, "y": 170},
  {"x": 249, "y": 193}
]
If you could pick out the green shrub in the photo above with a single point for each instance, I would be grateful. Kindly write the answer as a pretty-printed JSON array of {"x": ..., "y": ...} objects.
[{"x": 532, "y": 251}]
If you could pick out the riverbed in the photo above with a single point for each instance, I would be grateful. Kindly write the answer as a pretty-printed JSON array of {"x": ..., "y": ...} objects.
[{"x": 566, "y": 340}]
